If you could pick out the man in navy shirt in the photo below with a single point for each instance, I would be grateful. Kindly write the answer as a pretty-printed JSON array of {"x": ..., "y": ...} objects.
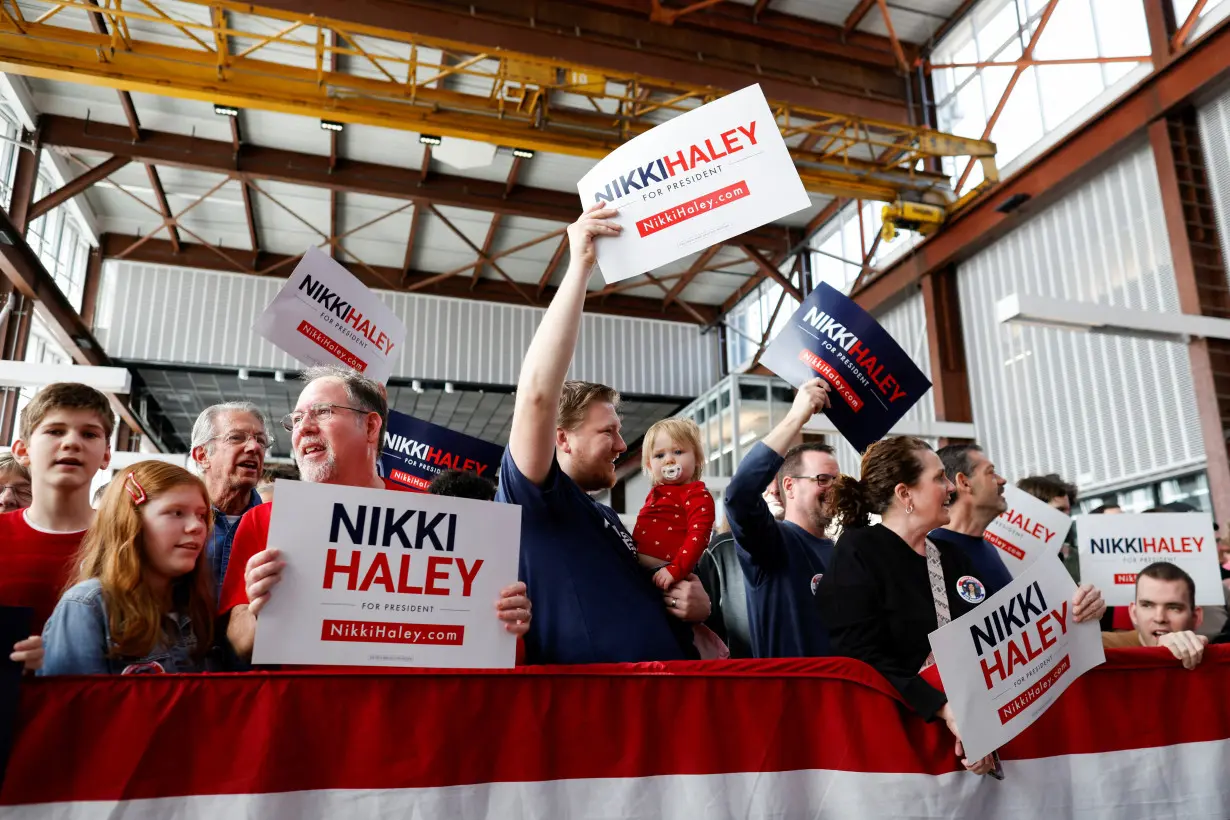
[
  {"x": 978, "y": 500},
  {"x": 593, "y": 603},
  {"x": 783, "y": 560}
]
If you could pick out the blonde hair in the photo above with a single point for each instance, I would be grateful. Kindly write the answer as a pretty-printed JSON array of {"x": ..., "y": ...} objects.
[
  {"x": 113, "y": 551},
  {"x": 680, "y": 431}
]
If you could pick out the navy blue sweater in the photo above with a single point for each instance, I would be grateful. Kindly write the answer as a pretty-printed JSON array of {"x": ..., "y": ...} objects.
[{"x": 781, "y": 562}]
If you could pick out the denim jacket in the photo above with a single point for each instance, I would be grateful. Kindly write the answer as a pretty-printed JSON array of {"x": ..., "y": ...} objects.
[
  {"x": 77, "y": 640},
  {"x": 218, "y": 547}
]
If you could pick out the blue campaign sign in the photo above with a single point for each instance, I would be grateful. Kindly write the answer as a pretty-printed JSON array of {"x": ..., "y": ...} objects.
[
  {"x": 416, "y": 451},
  {"x": 873, "y": 381}
]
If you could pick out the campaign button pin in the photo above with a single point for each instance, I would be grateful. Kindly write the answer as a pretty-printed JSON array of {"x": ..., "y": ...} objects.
[
  {"x": 971, "y": 589},
  {"x": 815, "y": 582}
]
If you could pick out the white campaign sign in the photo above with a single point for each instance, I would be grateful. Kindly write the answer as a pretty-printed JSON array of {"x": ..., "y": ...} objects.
[
  {"x": 323, "y": 315},
  {"x": 698, "y": 179},
  {"x": 1027, "y": 529},
  {"x": 386, "y": 578},
  {"x": 1006, "y": 662},
  {"x": 1113, "y": 548}
]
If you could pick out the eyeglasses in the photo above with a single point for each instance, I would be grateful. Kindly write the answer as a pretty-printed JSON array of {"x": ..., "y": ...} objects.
[
  {"x": 236, "y": 438},
  {"x": 318, "y": 412},
  {"x": 821, "y": 479},
  {"x": 22, "y": 491}
]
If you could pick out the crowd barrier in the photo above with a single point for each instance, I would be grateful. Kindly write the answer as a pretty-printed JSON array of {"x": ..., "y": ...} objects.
[{"x": 819, "y": 738}]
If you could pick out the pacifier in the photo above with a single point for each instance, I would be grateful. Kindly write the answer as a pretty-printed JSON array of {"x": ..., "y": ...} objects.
[{"x": 672, "y": 471}]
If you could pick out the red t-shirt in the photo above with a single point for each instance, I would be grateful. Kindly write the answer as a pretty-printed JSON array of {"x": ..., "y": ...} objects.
[
  {"x": 34, "y": 565},
  {"x": 675, "y": 525}
]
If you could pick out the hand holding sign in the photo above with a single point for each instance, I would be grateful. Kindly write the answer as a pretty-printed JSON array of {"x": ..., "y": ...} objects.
[
  {"x": 262, "y": 573},
  {"x": 703, "y": 177},
  {"x": 812, "y": 398},
  {"x": 872, "y": 380},
  {"x": 596, "y": 221}
]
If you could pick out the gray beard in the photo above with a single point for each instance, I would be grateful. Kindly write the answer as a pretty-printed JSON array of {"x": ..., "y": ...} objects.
[{"x": 319, "y": 472}]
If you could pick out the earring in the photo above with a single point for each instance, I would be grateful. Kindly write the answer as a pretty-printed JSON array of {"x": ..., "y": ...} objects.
[{"x": 909, "y": 510}]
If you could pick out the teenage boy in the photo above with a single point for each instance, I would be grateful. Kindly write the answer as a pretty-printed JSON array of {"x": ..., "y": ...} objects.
[{"x": 64, "y": 439}]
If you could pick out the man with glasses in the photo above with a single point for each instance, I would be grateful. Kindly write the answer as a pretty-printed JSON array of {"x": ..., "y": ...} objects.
[
  {"x": 229, "y": 442},
  {"x": 15, "y": 492},
  {"x": 783, "y": 560},
  {"x": 337, "y": 430}
]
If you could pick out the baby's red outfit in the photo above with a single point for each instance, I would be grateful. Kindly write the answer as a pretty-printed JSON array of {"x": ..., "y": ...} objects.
[{"x": 674, "y": 525}]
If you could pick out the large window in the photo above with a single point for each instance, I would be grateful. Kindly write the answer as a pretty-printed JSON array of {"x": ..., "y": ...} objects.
[
  {"x": 1190, "y": 489},
  {"x": 10, "y": 132},
  {"x": 59, "y": 242},
  {"x": 747, "y": 322},
  {"x": 1089, "y": 52}
]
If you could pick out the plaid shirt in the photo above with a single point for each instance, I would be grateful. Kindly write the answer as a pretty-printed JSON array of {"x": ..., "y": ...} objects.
[{"x": 219, "y": 547}]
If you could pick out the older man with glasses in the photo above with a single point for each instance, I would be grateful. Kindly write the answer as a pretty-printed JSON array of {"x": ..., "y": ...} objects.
[
  {"x": 783, "y": 560},
  {"x": 229, "y": 442},
  {"x": 15, "y": 492},
  {"x": 337, "y": 432}
]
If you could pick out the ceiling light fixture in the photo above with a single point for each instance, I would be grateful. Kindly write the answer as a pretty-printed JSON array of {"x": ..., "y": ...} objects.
[
  {"x": 416, "y": 386},
  {"x": 279, "y": 376},
  {"x": 428, "y": 139},
  {"x": 225, "y": 110},
  {"x": 331, "y": 125},
  {"x": 244, "y": 375},
  {"x": 522, "y": 153},
  {"x": 448, "y": 387}
]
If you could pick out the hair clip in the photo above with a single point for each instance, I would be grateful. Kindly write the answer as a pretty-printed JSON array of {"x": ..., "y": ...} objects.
[{"x": 135, "y": 489}]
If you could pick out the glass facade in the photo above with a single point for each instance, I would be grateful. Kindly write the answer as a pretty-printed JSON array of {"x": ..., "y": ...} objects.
[
  {"x": 1190, "y": 489},
  {"x": 1062, "y": 89},
  {"x": 58, "y": 240},
  {"x": 734, "y": 414}
]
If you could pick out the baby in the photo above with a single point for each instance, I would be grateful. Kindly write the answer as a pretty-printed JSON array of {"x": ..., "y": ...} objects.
[{"x": 673, "y": 528}]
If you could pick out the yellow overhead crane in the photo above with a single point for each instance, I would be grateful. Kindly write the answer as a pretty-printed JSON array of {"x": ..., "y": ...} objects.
[{"x": 244, "y": 56}]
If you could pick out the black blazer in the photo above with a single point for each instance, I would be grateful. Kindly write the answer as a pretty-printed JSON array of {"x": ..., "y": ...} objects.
[{"x": 876, "y": 599}]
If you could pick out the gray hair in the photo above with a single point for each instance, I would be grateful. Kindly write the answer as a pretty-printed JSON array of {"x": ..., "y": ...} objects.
[
  {"x": 205, "y": 428},
  {"x": 10, "y": 464},
  {"x": 363, "y": 393}
]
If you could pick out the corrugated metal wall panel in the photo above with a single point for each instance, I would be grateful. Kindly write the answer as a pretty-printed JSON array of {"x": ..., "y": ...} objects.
[
  {"x": 1213, "y": 119},
  {"x": 182, "y": 316},
  {"x": 1103, "y": 411}
]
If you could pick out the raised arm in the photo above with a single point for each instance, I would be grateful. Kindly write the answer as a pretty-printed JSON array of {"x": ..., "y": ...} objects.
[
  {"x": 753, "y": 525},
  {"x": 812, "y": 398},
  {"x": 531, "y": 443}
]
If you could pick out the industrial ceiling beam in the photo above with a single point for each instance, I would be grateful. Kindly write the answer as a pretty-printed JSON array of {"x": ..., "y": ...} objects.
[
  {"x": 856, "y": 16},
  {"x": 194, "y": 255},
  {"x": 552, "y": 265},
  {"x": 21, "y": 265},
  {"x": 819, "y": 70},
  {"x": 1063, "y": 166},
  {"x": 741, "y": 25},
  {"x": 259, "y": 163},
  {"x": 537, "y": 104},
  {"x": 75, "y": 186},
  {"x": 511, "y": 182},
  {"x": 690, "y": 274}
]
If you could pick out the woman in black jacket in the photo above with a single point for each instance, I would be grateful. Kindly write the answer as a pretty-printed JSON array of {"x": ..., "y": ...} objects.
[{"x": 877, "y": 597}]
